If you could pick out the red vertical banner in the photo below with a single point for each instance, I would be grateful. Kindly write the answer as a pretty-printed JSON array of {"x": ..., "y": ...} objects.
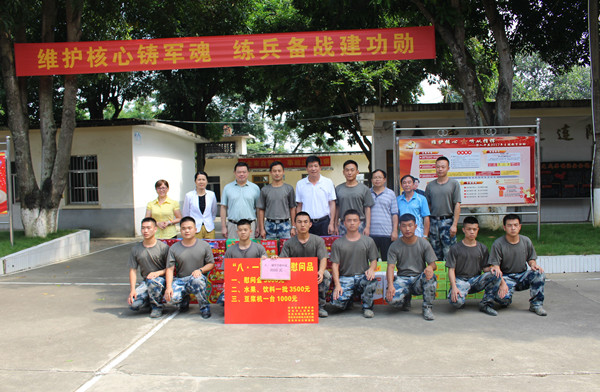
[
  {"x": 3, "y": 185},
  {"x": 251, "y": 300}
]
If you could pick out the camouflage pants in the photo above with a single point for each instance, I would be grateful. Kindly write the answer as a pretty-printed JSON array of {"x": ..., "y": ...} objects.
[
  {"x": 359, "y": 283},
  {"x": 532, "y": 280},
  {"x": 324, "y": 287},
  {"x": 149, "y": 292},
  {"x": 189, "y": 285},
  {"x": 361, "y": 228},
  {"x": 439, "y": 236},
  {"x": 486, "y": 281},
  {"x": 277, "y": 231},
  {"x": 406, "y": 286}
]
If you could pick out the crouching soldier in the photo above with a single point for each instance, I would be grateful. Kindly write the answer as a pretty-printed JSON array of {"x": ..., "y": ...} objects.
[
  {"x": 192, "y": 258},
  {"x": 415, "y": 259},
  {"x": 466, "y": 260},
  {"x": 354, "y": 261},
  {"x": 150, "y": 256}
]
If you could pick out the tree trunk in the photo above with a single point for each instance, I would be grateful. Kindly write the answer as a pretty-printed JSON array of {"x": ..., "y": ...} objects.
[
  {"x": 478, "y": 112},
  {"x": 503, "y": 95},
  {"x": 595, "y": 62},
  {"x": 39, "y": 205}
]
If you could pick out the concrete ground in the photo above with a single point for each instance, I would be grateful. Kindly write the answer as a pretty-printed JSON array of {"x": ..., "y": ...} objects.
[{"x": 66, "y": 327}]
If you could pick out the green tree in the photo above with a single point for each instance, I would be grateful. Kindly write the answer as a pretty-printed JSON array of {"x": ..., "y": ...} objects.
[
  {"x": 20, "y": 22},
  {"x": 189, "y": 94},
  {"x": 535, "y": 80}
]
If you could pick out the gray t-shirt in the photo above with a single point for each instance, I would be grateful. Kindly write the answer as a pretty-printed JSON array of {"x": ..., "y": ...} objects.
[
  {"x": 467, "y": 261},
  {"x": 412, "y": 259},
  {"x": 149, "y": 259},
  {"x": 512, "y": 258},
  {"x": 356, "y": 197},
  {"x": 354, "y": 257},
  {"x": 277, "y": 201},
  {"x": 187, "y": 259},
  {"x": 442, "y": 197},
  {"x": 253, "y": 252},
  {"x": 314, "y": 247}
]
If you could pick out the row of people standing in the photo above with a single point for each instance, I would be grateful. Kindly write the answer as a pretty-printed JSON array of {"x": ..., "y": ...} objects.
[{"x": 272, "y": 209}]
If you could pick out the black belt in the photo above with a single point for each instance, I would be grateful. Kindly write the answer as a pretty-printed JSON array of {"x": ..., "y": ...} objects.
[
  {"x": 321, "y": 219},
  {"x": 236, "y": 222},
  {"x": 278, "y": 220},
  {"x": 442, "y": 217}
]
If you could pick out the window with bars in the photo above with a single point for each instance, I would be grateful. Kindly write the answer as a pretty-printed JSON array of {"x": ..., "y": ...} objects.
[{"x": 83, "y": 180}]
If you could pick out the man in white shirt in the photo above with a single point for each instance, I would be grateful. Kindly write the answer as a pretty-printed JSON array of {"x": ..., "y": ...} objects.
[{"x": 315, "y": 194}]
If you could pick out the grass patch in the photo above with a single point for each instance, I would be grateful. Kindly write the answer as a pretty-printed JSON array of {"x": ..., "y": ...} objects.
[
  {"x": 555, "y": 239},
  {"x": 22, "y": 242}
]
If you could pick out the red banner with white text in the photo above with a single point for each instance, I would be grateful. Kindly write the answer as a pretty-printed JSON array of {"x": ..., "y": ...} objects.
[
  {"x": 68, "y": 58},
  {"x": 3, "y": 185}
]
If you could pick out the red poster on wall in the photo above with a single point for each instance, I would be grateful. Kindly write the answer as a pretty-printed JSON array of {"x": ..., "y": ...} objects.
[
  {"x": 299, "y": 162},
  {"x": 3, "y": 185},
  {"x": 68, "y": 58},
  {"x": 252, "y": 300},
  {"x": 493, "y": 170}
]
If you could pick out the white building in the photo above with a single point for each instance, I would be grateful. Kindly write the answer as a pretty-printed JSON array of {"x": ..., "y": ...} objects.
[{"x": 114, "y": 165}]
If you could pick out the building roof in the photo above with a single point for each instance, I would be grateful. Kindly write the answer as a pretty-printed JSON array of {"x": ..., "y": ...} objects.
[{"x": 370, "y": 114}]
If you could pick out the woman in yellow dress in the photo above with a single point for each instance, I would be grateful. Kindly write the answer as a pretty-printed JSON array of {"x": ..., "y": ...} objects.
[{"x": 165, "y": 211}]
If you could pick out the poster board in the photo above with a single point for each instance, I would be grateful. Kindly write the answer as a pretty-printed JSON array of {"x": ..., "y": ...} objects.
[
  {"x": 492, "y": 170},
  {"x": 251, "y": 300}
]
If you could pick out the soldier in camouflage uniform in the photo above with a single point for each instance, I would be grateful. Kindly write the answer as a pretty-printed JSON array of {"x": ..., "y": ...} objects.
[
  {"x": 415, "y": 260},
  {"x": 354, "y": 261},
  {"x": 466, "y": 260},
  {"x": 310, "y": 245},
  {"x": 150, "y": 256},
  {"x": 443, "y": 196},
  {"x": 193, "y": 259},
  {"x": 510, "y": 256}
]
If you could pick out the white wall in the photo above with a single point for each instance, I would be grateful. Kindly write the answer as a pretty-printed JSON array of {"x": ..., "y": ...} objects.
[{"x": 160, "y": 155}]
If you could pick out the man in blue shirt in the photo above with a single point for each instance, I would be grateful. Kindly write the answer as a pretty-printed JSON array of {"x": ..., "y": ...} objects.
[
  {"x": 410, "y": 202},
  {"x": 239, "y": 202}
]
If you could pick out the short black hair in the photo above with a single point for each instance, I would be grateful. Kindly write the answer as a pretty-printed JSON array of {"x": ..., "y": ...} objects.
[
  {"x": 200, "y": 172},
  {"x": 187, "y": 219},
  {"x": 379, "y": 170},
  {"x": 407, "y": 218},
  {"x": 407, "y": 176},
  {"x": 313, "y": 158},
  {"x": 301, "y": 213},
  {"x": 470, "y": 220},
  {"x": 443, "y": 158},
  {"x": 275, "y": 163},
  {"x": 350, "y": 162},
  {"x": 351, "y": 211},
  {"x": 242, "y": 222},
  {"x": 510, "y": 217},
  {"x": 149, "y": 219},
  {"x": 241, "y": 164}
]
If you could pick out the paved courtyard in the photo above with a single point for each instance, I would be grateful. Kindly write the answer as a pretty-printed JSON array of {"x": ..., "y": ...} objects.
[{"x": 66, "y": 327}]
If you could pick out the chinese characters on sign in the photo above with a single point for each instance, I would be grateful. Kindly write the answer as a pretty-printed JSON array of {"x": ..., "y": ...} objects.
[
  {"x": 249, "y": 299},
  {"x": 491, "y": 170},
  {"x": 300, "y": 162},
  {"x": 64, "y": 58}
]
